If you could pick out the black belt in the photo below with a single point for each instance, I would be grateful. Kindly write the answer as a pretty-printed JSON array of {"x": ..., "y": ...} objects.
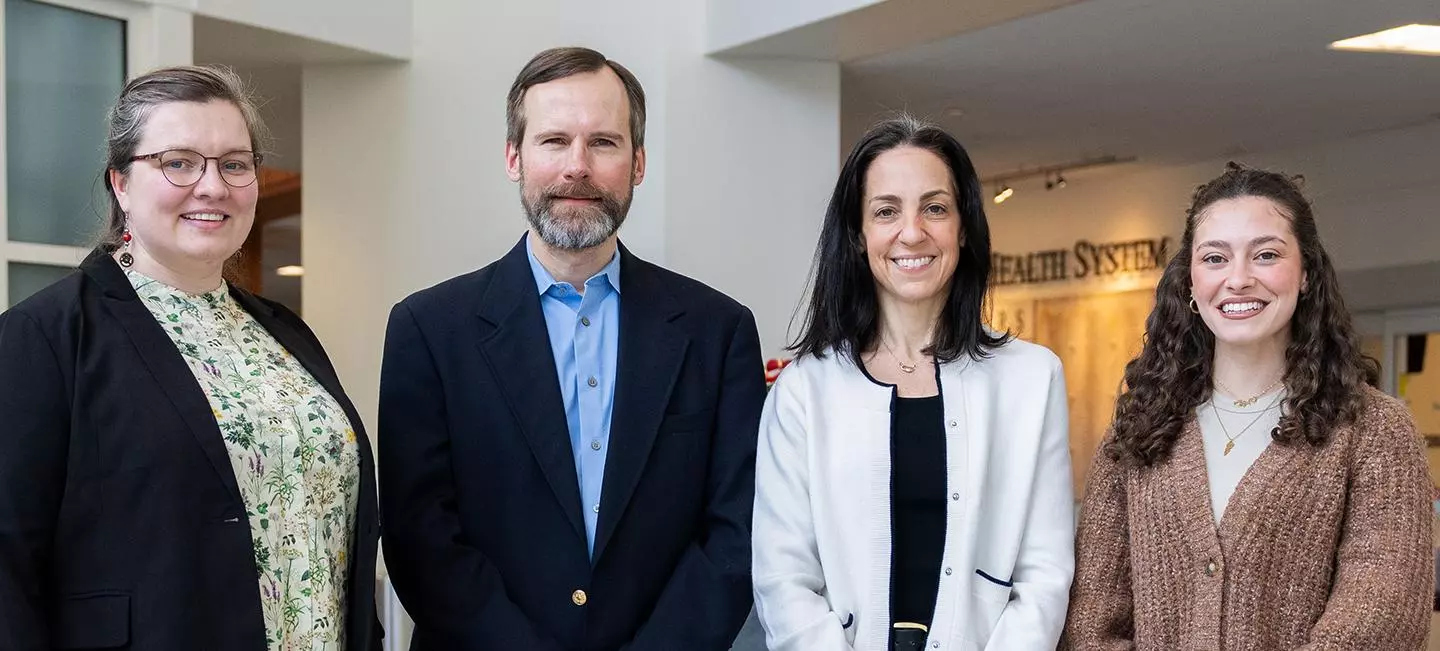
[{"x": 908, "y": 636}]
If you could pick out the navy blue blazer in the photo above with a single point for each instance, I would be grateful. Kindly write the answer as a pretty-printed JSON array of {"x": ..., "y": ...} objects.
[
  {"x": 121, "y": 523},
  {"x": 484, "y": 539}
]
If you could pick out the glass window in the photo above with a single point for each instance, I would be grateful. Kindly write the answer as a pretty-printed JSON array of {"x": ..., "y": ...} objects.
[
  {"x": 63, "y": 68},
  {"x": 26, "y": 279}
]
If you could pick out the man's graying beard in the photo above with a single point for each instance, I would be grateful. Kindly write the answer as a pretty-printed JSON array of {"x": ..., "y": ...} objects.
[{"x": 576, "y": 227}]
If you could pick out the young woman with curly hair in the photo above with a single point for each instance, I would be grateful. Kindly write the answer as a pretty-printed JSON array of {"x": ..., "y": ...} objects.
[{"x": 1199, "y": 530}]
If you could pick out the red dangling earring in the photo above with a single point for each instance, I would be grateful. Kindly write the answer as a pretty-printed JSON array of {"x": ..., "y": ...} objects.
[{"x": 126, "y": 260}]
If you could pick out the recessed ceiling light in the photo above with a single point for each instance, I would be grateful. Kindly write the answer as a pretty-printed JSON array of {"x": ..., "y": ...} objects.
[
  {"x": 291, "y": 271},
  {"x": 1409, "y": 39}
]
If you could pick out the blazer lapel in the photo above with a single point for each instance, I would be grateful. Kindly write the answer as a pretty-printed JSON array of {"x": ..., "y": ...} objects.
[
  {"x": 163, "y": 360},
  {"x": 515, "y": 343},
  {"x": 652, "y": 350}
]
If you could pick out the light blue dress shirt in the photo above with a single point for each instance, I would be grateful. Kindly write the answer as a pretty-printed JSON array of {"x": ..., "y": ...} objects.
[{"x": 585, "y": 338}]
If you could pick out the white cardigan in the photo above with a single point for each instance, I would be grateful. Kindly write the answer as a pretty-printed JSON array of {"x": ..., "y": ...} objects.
[{"x": 821, "y": 537}]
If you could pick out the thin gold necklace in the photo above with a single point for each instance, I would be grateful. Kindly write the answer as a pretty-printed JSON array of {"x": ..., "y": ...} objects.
[
  {"x": 1230, "y": 440},
  {"x": 907, "y": 368},
  {"x": 1246, "y": 402}
]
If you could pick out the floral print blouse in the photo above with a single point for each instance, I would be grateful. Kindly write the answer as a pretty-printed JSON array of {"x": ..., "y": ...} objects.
[{"x": 294, "y": 454}]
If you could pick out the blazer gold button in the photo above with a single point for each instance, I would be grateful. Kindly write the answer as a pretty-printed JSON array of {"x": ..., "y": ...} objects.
[{"x": 579, "y": 597}]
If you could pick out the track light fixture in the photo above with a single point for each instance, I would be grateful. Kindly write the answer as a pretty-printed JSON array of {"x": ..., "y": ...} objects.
[{"x": 1054, "y": 175}]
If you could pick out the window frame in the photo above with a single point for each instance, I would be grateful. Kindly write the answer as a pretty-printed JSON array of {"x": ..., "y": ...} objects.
[
  {"x": 143, "y": 51},
  {"x": 1390, "y": 325}
]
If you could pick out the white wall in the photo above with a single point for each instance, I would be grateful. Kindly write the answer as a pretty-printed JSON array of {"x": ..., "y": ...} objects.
[
  {"x": 751, "y": 145},
  {"x": 748, "y": 192},
  {"x": 404, "y": 164},
  {"x": 163, "y": 39},
  {"x": 353, "y": 201},
  {"x": 278, "y": 87},
  {"x": 379, "y": 26},
  {"x": 735, "y": 22}
]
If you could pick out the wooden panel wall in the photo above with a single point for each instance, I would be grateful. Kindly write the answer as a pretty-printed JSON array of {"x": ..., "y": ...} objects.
[{"x": 1094, "y": 336}]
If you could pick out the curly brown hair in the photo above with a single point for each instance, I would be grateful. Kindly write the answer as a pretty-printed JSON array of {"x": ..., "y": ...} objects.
[{"x": 1325, "y": 371}]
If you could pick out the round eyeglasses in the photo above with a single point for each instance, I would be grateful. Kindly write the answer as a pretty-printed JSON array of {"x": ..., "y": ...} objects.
[{"x": 184, "y": 168}]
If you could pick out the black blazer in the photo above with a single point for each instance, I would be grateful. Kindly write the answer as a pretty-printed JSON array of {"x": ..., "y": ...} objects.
[
  {"x": 121, "y": 523},
  {"x": 484, "y": 539}
]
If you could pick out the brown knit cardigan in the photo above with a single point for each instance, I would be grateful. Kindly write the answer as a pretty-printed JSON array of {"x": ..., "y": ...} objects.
[{"x": 1320, "y": 547}]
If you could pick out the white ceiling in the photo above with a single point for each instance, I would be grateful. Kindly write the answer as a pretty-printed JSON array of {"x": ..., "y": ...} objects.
[
  {"x": 1169, "y": 81},
  {"x": 216, "y": 39}
]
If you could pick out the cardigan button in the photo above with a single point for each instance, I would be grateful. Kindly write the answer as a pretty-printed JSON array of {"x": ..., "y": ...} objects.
[{"x": 1211, "y": 568}]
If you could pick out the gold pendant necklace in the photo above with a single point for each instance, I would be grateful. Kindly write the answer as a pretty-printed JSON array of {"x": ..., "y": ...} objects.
[
  {"x": 1230, "y": 440},
  {"x": 907, "y": 368},
  {"x": 1246, "y": 402}
]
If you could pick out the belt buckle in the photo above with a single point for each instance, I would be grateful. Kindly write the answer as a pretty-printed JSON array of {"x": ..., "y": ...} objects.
[{"x": 909, "y": 636}]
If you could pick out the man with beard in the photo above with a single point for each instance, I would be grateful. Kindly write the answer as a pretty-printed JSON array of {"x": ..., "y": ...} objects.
[{"x": 567, "y": 436}]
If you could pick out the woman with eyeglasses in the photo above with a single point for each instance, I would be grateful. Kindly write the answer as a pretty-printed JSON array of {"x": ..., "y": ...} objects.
[{"x": 179, "y": 466}]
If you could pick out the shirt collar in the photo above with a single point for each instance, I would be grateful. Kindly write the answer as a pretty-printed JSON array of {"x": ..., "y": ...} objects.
[
  {"x": 147, "y": 287},
  {"x": 610, "y": 273}
]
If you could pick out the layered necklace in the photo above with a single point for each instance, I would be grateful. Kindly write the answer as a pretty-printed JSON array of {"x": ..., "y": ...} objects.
[
  {"x": 1230, "y": 440},
  {"x": 1246, "y": 402}
]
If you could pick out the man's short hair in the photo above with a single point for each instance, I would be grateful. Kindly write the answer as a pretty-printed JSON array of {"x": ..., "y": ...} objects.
[{"x": 562, "y": 62}]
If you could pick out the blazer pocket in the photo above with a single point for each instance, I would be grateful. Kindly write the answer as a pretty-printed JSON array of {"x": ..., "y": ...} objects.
[
  {"x": 98, "y": 620},
  {"x": 988, "y": 597},
  {"x": 847, "y": 624},
  {"x": 999, "y": 582},
  {"x": 691, "y": 423}
]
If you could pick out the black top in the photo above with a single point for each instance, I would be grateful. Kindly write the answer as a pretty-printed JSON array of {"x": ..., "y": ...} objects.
[{"x": 918, "y": 506}]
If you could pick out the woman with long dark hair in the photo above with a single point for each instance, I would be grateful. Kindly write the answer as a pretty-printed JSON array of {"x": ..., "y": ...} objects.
[
  {"x": 913, "y": 473},
  {"x": 1255, "y": 491}
]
